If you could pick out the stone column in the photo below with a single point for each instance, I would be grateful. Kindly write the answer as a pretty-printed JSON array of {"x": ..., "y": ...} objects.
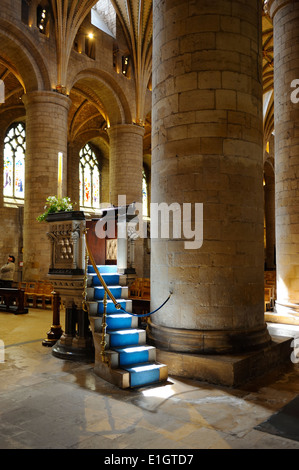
[
  {"x": 104, "y": 199},
  {"x": 126, "y": 161},
  {"x": 207, "y": 147},
  {"x": 125, "y": 174},
  {"x": 46, "y": 135},
  {"x": 285, "y": 15},
  {"x": 73, "y": 173}
]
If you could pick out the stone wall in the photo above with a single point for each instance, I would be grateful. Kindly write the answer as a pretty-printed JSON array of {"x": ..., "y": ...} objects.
[{"x": 11, "y": 237}]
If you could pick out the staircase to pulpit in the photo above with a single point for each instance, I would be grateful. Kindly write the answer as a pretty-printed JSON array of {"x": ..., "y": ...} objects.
[{"x": 122, "y": 356}]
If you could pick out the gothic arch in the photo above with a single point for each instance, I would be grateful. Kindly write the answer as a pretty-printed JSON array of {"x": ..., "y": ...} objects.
[
  {"x": 269, "y": 170},
  {"x": 106, "y": 94},
  {"x": 23, "y": 57}
]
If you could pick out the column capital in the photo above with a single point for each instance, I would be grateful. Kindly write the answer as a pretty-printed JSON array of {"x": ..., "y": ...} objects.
[
  {"x": 47, "y": 97},
  {"x": 273, "y": 6}
]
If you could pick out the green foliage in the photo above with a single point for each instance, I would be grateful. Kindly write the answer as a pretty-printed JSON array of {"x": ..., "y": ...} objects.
[{"x": 55, "y": 204}]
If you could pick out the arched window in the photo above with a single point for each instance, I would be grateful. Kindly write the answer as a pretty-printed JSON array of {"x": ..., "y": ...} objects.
[
  {"x": 89, "y": 179},
  {"x": 14, "y": 163}
]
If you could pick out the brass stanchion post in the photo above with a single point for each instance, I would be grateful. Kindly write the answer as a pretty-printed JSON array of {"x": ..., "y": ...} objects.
[
  {"x": 55, "y": 331},
  {"x": 104, "y": 326}
]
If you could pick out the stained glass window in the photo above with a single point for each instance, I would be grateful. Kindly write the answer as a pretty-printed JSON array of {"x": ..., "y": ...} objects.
[
  {"x": 14, "y": 162},
  {"x": 89, "y": 179}
]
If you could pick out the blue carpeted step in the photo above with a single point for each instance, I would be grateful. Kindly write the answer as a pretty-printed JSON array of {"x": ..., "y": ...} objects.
[
  {"x": 135, "y": 355},
  {"x": 111, "y": 279},
  {"x": 126, "y": 337},
  {"x": 103, "y": 268},
  {"x": 119, "y": 321},
  {"x": 126, "y": 304},
  {"x": 99, "y": 291},
  {"x": 132, "y": 361},
  {"x": 147, "y": 373}
]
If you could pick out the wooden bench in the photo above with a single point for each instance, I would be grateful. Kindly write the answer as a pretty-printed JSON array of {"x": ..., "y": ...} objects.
[
  {"x": 269, "y": 290},
  {"x": 140, "y": 289},
  {"x": 39, "y": 292},
  {"x": 139, "y": 293},
  {"x": 12, "y": 300}
]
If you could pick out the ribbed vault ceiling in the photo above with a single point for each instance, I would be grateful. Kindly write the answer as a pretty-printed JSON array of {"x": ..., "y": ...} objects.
[{"x": 135, "y": 17}]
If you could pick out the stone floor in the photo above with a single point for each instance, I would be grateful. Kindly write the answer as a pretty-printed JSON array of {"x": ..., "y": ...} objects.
[{"x": 49, "y": 403}]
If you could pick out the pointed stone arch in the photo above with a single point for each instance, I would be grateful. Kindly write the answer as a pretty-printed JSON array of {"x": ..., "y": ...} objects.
[
  {"x": 23, "y": 57},
  {"x": 106, "y": 93}
]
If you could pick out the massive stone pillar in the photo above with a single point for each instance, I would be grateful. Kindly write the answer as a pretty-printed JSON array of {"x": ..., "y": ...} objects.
[
  {"x": 73, "y": 172},
  {"x": 285, "y": 16},
  {"x": 207, "y": 147},
  {"x": 46, "y": 136},
  {"x": 126, "y": 162},
  {"x": 125, "y": 177}
]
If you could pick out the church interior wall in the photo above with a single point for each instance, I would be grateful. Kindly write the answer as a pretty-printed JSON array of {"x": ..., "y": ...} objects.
[{"x": 205, "y": 132}]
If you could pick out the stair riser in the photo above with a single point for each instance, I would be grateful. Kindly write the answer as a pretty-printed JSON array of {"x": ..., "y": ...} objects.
[
  {"x": 125, "y": 379},
  {"x": 127, "y": 305},
  {"x": 113, "y": 323},
  {"x": 118, "y": 359},
  {"x": 97, "y": 293},
  {"x": 126, "y": 359},
  {"x": 103, "y": 269},
  {"x": 116, "y": 340},
  {"x": 138, "y": 379},
  {"x": 97, "y": 308},
  {"x": 110, "y": 280}
]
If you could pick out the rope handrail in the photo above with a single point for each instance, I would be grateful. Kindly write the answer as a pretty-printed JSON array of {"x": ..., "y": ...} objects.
[{"x": 109, "y": 293}]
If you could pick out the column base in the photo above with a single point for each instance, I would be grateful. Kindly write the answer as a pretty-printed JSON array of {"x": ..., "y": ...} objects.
[
  {"x": 63, "y": 351},
  {"x": 180, "y": 340},
  {"x": 53, "y": 336},
  {"x": 229, "y": 370}
]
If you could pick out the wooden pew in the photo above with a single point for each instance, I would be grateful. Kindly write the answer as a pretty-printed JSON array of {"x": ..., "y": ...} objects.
[
  {"x": 12, "y": 300},
  {"x": 39, "y": 292},
  {"x": 139, "y": 293},
  {"x": 269, "y": 290}
]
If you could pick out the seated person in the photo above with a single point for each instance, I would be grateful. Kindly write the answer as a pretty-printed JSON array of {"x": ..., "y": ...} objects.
[{"x": 7, "y": 272}]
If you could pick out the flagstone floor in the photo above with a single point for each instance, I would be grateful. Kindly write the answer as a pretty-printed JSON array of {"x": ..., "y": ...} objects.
[{"x": 49, "y": 403}]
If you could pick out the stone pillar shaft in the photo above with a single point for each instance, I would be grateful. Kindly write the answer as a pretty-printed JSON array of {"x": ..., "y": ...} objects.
[
  {"x": 126, "y": 162},
  {"x": 207, "y": 147},
  {"x": 285, "y": 15},
  {"x": 46, "y": 135},
  {"x": 73, "y": 173}
]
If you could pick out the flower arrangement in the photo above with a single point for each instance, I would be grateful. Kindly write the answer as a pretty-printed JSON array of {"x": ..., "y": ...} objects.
[{"x": 55, "y": 204}]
